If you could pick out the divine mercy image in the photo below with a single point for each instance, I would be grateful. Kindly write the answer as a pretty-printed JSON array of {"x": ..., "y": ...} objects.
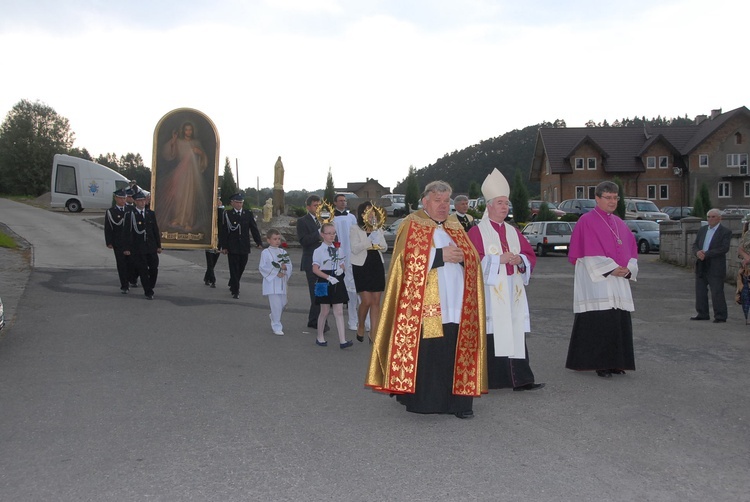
[{"x": 185, "y": 174}]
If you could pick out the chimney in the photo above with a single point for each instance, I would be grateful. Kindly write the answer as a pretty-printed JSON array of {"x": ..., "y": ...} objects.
[
  {"x": 715, "y": 113},
  {"x": 700, "y": 118}
]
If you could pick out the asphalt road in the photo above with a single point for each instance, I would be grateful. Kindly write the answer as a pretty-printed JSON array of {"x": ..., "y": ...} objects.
[{"x": 190, "y": 397}]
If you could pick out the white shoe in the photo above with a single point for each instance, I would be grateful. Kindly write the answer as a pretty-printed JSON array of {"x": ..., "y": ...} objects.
[{"x": 280, "y": 333}]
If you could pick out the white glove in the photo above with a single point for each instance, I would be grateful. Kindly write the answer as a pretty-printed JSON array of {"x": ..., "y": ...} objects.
[
  {"x": 338, "y": 271},
  {"x": 332, "y": 279}
]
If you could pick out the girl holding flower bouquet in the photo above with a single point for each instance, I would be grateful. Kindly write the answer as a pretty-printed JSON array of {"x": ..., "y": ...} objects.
[
  {"x": 330, "y": 291},
  {"x": 275, "y": 267}
]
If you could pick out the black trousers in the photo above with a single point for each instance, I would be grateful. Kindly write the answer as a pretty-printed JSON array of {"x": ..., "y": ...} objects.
[
  {"x": 312, "y": 316},
  {"x": 237, "y": 263},
  {"x": 211, "y": 259},
  {"x": 147, "y": 268},
  {"x": 123, "y": 268},
  {"x": 504, "y": 372},
  {"x": 702, "y": 284}
]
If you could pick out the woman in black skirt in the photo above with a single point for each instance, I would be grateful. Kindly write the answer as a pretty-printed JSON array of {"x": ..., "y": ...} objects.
[
  {"x": 369, "y": 272},
  {"x": 330, "y": 290}
]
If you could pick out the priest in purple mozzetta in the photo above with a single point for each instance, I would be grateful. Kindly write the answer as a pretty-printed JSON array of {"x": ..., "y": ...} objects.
[{"x": 605, "y": 253}]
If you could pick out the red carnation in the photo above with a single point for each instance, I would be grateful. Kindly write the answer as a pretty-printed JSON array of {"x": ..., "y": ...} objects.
[{"x": 337, "y": 244}]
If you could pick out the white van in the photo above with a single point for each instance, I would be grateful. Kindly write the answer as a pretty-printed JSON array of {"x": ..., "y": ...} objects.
[
  {"x": 397, "y": 206},
  {"x": 79, "y": 184}
]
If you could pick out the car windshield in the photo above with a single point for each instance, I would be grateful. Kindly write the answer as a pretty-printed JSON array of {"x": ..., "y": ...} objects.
[
  {"x": 648, "y": 225},
  {"x": 646, "y": 205},
  {"x": 398, "y": 198},
  {"x": 558, "y": 229}
]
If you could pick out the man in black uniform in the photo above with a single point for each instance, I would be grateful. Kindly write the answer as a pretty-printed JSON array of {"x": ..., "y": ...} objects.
[
  {"x": 115, "y": 234},
  {"x": 132, "y": 272},
  {"x": 234, "y": 239},
  {"x": 144, "y": 244}
]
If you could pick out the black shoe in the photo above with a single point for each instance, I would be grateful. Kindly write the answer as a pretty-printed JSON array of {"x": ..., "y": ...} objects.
[
  {"x": 699, "y": 318},
  {"x": 150, "y": 297},
  {"x": 213, "y": 284},
  {"x": 124, "y": 291},
  {"x": 321, "y": 344},
  {"x": 529, "y": 386},
  {"x": 346, "y": 344},
  {"x": 617, "y": 372},
  {"x": 360, "y": 339},
  {"x": 236, "y": 296},
  {"x": 133, "y": 284},
  {"x": 604, "y": 373},
  {"x": 465, "y": 414},
  {"x": 312, "y": 325},
  {"x": 207, "y": 283},
  {"x": 720, "y": 320}
]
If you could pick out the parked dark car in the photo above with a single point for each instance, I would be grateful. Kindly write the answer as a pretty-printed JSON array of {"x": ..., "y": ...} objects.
[
  {"x": 646, "y": 234},
  {"x": 577, "y": 206},
  {"x": 534, "y": 206},
  {"x": 677, "y": 213}
]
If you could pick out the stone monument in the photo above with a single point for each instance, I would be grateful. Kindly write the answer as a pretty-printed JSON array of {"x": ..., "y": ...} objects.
[
  {"x": 268, "y": 210},
  {"x": 278, "y": 188}
]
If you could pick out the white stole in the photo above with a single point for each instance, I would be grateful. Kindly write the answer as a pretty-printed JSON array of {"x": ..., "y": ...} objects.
[{"x": 505, "y": 296}]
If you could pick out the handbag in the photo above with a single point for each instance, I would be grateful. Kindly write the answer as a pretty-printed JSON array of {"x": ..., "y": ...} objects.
[{"x": 321, "y": 288}]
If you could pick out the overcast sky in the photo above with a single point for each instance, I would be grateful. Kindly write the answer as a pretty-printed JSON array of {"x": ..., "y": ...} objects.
[{"x": 366, "y": 88}]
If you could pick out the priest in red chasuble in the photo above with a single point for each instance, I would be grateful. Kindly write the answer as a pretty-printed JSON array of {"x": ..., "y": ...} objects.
[{"x": 430, "y": 346}]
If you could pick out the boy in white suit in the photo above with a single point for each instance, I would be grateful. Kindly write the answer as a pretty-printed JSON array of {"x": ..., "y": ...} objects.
[{"x": 275, "y": 267}]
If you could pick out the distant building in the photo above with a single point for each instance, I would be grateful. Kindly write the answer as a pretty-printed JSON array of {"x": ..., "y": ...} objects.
[
  {"x": 664, "y": 164},
  {"x": 369, "y": 190}
]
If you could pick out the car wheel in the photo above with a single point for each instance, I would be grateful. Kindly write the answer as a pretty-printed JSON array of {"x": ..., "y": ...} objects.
[
  {"x": 643, "y": 247},
  {"x": 540, "y": 250},
  {"x": 73, "y": 206}
]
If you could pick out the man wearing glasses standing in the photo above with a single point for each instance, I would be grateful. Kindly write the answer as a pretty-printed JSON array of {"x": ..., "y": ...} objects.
[
  {"x": 710, "y": 249},
  {"x": 605, "y": 255}
]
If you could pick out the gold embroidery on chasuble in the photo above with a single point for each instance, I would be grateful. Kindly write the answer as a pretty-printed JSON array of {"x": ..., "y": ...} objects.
[
  {"x": 467, "y": 375},
  {"x": 405, "y": 339},
  {"x": 432, "y": 323}
]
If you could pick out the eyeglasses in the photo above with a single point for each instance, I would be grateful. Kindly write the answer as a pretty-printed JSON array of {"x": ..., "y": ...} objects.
[
  {"x": 329, "y": 233},
  {"x": 610, "y": 198}
]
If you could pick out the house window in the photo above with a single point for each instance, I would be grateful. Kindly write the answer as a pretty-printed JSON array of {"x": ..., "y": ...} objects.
[
  {"x": 703, "y": 160},
  {"x": 554, "y": 192},
  {"x": 736, "y": 159},
  {"x": 547, "y": 167},
  {"x": 663, "y": 162},
  {"x": 579, "y": 192},
  {"x": 579, "y": 163},
  {"x": 592, "y": 192},
  {"x": 651, "y": 191},
  {"x": 664, "y": 192},
  {"x": 747, "y": 189},
  {"x": 738, "y": 138},
  {"x": 591, "y": 161},
  {"x": 650, "y": 162},
  {"x": 725, "y": 189}
]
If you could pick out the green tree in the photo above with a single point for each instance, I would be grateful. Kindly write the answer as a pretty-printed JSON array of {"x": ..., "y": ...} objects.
[
  {"x": 412, "y": 190},
  {"x": 545, "y": 213},
  {"x": 474, "y": 190},
  {"x": 30, "y": 136},
  {"x": 620, "y": 211},
  {"x": 705, "y": 198},
  {"x": 131, "y": 166},
  {"x": 228, "y": 185},
  {"x": 330, "y": 191},
  {"x": 81, "y": 153},
  {"x": 519, "y": 197}
]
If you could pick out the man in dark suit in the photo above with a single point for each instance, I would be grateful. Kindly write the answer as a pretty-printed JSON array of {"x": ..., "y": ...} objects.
[
  {"x": 308, "y": 235},
  {"x": 144, "y": 244},
  {"x": 710, "y": 248},
  {"x": 234, "y": 239},
  {"x": 461, "y": 203},
  {"x": 115, "y": 235}
]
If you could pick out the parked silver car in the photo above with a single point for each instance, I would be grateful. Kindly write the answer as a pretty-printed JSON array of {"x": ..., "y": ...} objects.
[
  {"x": 646, "y": 235},
  {"x": 545, "y": 236}
]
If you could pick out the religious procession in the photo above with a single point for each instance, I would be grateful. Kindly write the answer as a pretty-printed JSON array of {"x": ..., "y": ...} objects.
[{"x": 449, "y": 319}]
